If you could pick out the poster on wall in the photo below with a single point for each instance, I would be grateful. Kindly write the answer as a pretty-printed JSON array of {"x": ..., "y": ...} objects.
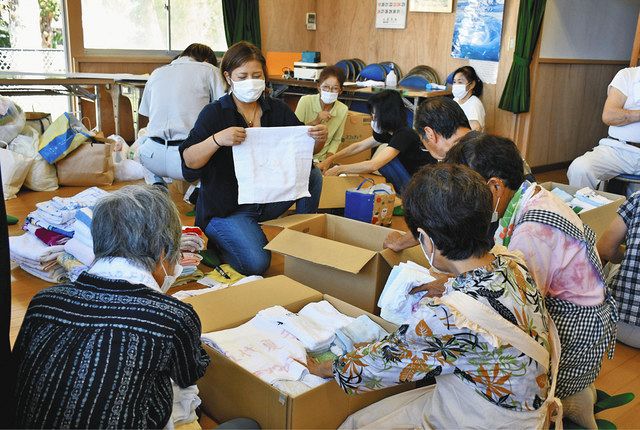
[
  {"x": 391, "y": 14},
  {"x": 440, "y": 6},
  {"x": 478, "y": 29}
]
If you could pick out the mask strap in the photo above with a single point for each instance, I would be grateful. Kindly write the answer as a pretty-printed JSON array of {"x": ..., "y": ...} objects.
[{"x": 495, "y": 216}]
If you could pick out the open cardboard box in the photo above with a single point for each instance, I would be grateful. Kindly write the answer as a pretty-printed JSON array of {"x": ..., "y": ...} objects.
[
  {"x": 599, "y": 218},
  {"x": 339, "y": 256},
  {"x": 334, "y": 188},
  {"x": 229, "y": 391},
  {"x": 357, "y": 127}
]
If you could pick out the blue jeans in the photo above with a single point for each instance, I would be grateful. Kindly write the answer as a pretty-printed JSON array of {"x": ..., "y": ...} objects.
[
  {"x": 240, "y": 238},
  {"x": 395, "y": 173}
]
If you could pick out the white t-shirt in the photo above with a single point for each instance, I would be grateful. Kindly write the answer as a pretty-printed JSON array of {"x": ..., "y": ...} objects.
[
  {"x": 627, "y": 81},
  {"x": 176, "y": 93},
  {"x": 473, "y": 109}
]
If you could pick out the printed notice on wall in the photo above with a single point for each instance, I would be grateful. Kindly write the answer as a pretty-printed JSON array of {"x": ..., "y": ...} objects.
[
  {"x": 440, "y": 6},
  {"x": 391, "y": 14},
  {"x": 487, "y": 70}
]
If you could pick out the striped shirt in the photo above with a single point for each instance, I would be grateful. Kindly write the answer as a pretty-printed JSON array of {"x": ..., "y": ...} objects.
[{"x": 100, "y": 353}]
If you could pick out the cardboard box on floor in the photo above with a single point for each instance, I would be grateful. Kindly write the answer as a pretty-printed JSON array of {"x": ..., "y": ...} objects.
[
  {"x": 356, "y": 128},
  {"x": 339, "y": 256},
  {"x": 334, "y": 188},
  {"x": 599, "y": 218},
  {"x": 229, "y": 391}
]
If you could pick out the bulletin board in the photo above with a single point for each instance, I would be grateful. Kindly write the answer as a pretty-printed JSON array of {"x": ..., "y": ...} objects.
[{"x": 589, "y": 29}]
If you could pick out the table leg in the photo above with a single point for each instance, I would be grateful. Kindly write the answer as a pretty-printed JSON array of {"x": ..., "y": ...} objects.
[
  {"x": 97, "y": 107},
  {"x": 133, "y": 93},
  {"x": 114, "y": 90}
]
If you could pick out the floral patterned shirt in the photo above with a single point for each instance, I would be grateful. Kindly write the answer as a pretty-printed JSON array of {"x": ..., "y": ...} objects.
[{"x": 431, "y": 344}]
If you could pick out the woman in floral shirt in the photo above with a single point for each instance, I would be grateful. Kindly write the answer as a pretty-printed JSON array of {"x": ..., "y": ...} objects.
[{"x": 486, "y": 340}]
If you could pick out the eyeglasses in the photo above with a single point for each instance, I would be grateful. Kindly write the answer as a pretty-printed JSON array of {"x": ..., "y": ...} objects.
[{"x": 330, "y": 89}]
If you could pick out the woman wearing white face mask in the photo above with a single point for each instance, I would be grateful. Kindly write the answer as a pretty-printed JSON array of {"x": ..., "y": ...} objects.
[
  {"x": 487, "y": 341},
  {"x": 467, "y": 88},
  {"x": 324, "y": 108},
  {"x": 113, "y": 321},
  {"x": 401, "y": 158},
  {"x": 207, "y": 155}
]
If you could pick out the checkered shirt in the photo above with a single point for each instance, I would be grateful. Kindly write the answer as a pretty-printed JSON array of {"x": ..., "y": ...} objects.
[{"x": 626, "y": 284}]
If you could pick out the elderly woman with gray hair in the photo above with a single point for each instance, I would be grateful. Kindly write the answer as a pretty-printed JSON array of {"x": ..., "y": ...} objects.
[{"x": 102, "y": 351}]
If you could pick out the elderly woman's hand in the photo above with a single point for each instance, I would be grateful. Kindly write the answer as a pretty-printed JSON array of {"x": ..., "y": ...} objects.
[
  {"x": 323, "y": 370},
  {"x": 435, "y": 288},
  {"x": 319, "y": 133}
]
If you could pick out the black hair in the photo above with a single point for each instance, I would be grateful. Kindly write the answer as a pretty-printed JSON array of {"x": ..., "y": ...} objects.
[
  {"x": 452, "y": 204},
  {"x": 442, "y": 114},
  {"x": 334, "y": 71},
  {"x": 389, "y": 110},
  {"x": 201, "y": 53},
  {"x": 491, "y": 156},
  {"x": 240, "y": 53},
  {"x": 471, "y": 76}
]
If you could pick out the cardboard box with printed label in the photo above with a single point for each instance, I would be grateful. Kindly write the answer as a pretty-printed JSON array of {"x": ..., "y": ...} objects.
[
  {"x": 599, "y": 218},
  {"x": 229, "y": 391},
  {"x": 339, "y": 256},
  {"x": 356, "y": 128}
]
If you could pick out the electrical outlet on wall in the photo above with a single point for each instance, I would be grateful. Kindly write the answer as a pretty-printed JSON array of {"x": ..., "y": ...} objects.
[{"x": 512, "y": 43}]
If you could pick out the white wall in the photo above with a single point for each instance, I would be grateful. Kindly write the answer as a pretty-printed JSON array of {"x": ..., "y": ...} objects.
[{"x": 589, "y": 29}]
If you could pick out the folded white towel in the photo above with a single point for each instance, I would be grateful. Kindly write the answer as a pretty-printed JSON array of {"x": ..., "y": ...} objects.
[
  {"x": 30, "y": 247},
  {"x": 362, "y": 329},
  {"x": 55, "y": 275},
  {"x": 324, "y": 315},
  {"x": 81, "y": 251},
  {"x": 395, "y": 301},
  {"x": 185, "y": 402},
  {"x": 315, "y": 338}
]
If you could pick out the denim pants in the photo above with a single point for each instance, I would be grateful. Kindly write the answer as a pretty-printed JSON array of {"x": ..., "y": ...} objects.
[
  {"x": 240, "y": 238},
  {"x": 395, "y": 173}
]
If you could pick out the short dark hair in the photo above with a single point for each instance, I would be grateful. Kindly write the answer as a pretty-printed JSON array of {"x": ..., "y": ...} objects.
[
  {"x": 452, "y": 204},
  {"x": 201, "y": 53},
  {"x": 389, "y": 110},
  {"x": 470, "y": 74},
  {"x": 334, "y": 71},
  {"x": 491, "y": 156},
  {"x": 442, "y": 114},
  {"x": 238, "y": 54}
]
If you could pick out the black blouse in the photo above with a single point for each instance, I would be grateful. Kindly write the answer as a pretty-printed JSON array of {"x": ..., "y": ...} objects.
[{"x": 219, "y": 186}]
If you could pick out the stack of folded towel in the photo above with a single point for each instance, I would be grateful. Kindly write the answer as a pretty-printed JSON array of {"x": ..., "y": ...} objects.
[
  {"x": 36, "y": 258},
  {"x": 81, "y": 245},
  {"x": 395, "y": 302},
  {"x": 191, "y": 242},
  {"x": 584, "y": 200}
]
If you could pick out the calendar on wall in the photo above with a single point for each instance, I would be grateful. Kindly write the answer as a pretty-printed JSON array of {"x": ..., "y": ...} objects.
[
  {"x": 440, "y": 6},
  {"x": 391, "y": 14}
]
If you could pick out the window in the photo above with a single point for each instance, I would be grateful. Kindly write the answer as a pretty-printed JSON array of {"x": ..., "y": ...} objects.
[{"x": 153, "y": 25}]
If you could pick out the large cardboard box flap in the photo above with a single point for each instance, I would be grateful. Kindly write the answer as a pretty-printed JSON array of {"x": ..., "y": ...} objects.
[
  {"x": 230, "y": 307},
  {"x": 288, "y": 221},
  {"x": 347, "y": 258},
  {"x": 599, "y": 218},
  {"x": 414, "y": 254}
]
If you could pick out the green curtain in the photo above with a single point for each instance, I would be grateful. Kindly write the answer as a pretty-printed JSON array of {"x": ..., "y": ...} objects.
[
  {"x": 517, "y": 92},
  {"x": 241, "y": 21}
]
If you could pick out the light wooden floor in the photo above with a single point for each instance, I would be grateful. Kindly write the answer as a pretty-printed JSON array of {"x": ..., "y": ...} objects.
[{"x": 622, "y": 374}]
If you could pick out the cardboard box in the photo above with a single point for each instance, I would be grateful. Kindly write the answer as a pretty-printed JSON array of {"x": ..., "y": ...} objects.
[
  {"x": 334, "y": 188},
  {"x": 356, "y": 128},
  {"x": 339, "y": 256},
  {"x": 599, "y": 218},
  {"x": 229, "y": 391}
]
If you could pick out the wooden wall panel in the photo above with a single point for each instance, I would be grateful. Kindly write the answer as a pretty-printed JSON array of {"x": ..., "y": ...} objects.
[
  {"x": 347, "y": 30},
  {"x": 568, "y": 100},
  {"x": 283, "y": 25}
]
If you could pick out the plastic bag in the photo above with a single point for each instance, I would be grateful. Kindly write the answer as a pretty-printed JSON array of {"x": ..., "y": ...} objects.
[
  {"x": 125, "y": 168},
  {"x": 12, "y": 119},
  {"x": 42, "y": 176},
  {"x": 63, "y": 136},
  {"x": 15, "y": 168}
]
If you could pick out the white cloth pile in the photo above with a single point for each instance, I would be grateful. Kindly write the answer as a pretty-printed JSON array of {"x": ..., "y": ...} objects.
[
  {"x": 584, "y": 200},
  {"x": 395, "y": 302},
  {"x": 185, "y": 402},
  {"x": 36, "y": 258},
  {"x": 212, "y": 286},
  {"x": 361, "y": 330},
  {"x": 81, "y": 245},
  {"x": 274, "y": 343}
]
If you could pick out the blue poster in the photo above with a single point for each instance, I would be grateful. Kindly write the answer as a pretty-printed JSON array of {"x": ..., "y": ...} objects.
[{"x": 478, "y": 30}]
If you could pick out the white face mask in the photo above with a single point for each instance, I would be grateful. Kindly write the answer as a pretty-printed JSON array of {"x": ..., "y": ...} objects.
[
  {"x": 433, "y": 252},
  {"x": 328, "y": 97},
  {"x": 248, "y": 90},
  {"x": 375, "y": 127},
  {"x": 169, "y": 280},
  {"x": 459, "y": 90},
  {"x": 495, "y": 216}
]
